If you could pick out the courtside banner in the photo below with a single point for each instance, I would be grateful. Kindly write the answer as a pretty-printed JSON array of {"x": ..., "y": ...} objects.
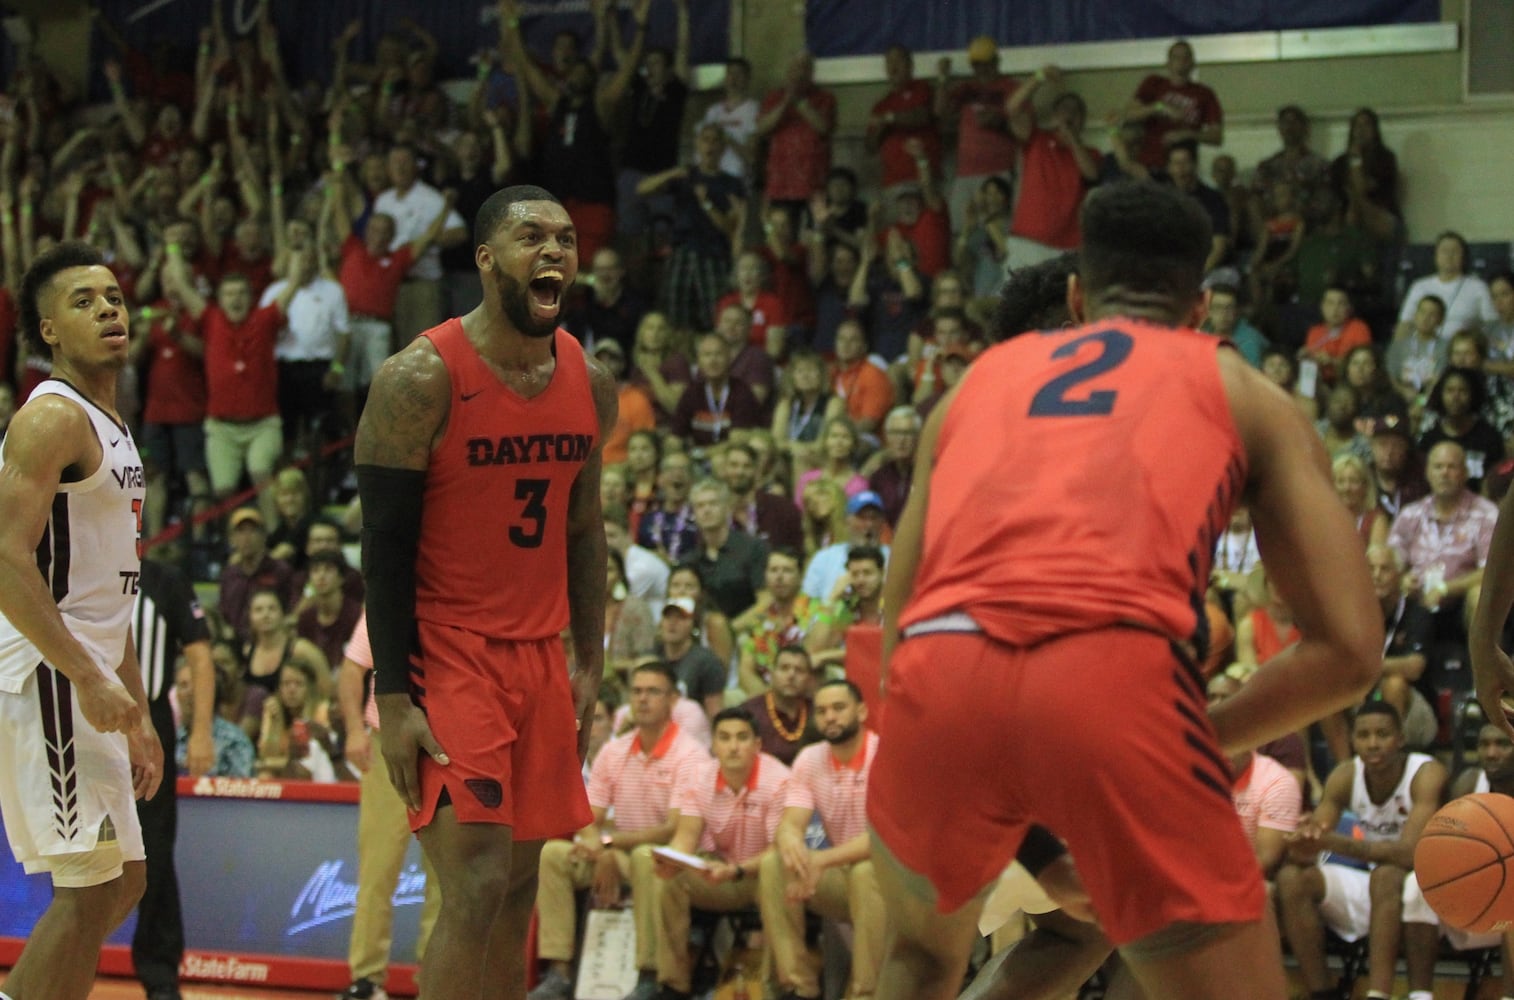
[
  {"x": 268, "y": 878},
  {"x": 863, "y": 27}
]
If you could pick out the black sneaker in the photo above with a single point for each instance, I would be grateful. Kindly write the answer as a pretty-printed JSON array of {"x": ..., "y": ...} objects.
[
  {"x": 363, "y": 989},
  {"x": 165, "y": 993}
]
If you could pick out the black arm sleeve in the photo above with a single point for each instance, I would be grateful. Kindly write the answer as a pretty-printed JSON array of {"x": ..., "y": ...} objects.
[
  {"x": 391, "y": 532},
  {"x": 1039, "y": 849}
]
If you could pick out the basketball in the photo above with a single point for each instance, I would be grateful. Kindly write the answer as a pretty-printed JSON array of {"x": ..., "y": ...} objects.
[{"x": 1465, "y": 862}]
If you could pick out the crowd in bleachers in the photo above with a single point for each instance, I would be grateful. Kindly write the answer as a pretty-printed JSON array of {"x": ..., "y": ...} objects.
[{"x": 779, "y": 334}]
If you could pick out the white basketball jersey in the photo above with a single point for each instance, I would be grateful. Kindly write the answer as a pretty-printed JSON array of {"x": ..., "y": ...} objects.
[
  {"x": 89, "y": 554},
  {"x": 1384, "y": 820},
  {"x": 1482, "y": 787}
]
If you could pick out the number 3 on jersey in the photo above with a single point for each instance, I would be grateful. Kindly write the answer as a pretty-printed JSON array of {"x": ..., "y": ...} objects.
[
  {"x": 1052, "y": 400},
  {"x": 533, "y": 493}
]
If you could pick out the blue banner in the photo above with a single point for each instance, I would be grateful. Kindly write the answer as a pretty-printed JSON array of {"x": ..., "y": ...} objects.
[
  {"x": 462, "y": 28},
  {"x": 861, "y": 27}
]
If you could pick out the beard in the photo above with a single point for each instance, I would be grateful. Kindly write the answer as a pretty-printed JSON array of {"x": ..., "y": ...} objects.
[
  {"x": 846, "y": 733},
  {"x": 517, "y": 309}
]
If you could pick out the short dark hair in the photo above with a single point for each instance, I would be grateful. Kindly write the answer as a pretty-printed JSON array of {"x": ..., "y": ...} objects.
[
  {"x": 1191, "y": 145},
  {"x": 1379, "y": 708},
  {"x": 325, "y": 558},
  {"x": 48, "y": 265},
  {"x": 661, "y": 669},
  {"x": 1034, "y": 297},
  {"x": 497, "y": 206},
  {"x": 739, "y": 61},
  {"x": 786, "y": 552},
  {"x": 735, "y": 713},
  {"x": 742, "y": 446},
  {"x": 1145, "y": 237},
  {"x": 1440, "y": 304},
  {"x": 797, "y": 650},
  {"x": 845, "y": 682},
  {"x": 843, "y": 173},
  {"x": 1224, "y": 288},
  {"x": 869, "y": 552}
]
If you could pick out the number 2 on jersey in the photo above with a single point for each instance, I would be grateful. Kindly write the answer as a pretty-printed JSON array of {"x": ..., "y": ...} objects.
[
  {"x": 1052, "y": 398},
  {"x": 534, "y": 493}
]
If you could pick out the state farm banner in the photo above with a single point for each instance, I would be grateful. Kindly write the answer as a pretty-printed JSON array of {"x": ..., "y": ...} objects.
[{"x": 860, "y": 27}]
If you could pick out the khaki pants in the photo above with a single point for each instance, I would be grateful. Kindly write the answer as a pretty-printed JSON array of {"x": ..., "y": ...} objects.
[
  {"x": 849, "y": 894},
  {"x": 561, "y": 873},
  {"x": 383, "y": 835},
  {"x": 675, "y": 897},
  {"x": 417, "y": 308}
]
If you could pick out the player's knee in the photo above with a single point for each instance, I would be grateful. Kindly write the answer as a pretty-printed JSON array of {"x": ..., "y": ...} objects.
[
  {"x": 1386, "y": 886},
  {"x": 129, "y": 888},
  {"x": 1294, "y": 882}
]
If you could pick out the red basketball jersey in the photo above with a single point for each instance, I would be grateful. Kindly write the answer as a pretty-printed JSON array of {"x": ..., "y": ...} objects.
[
  {"x": 493, "y": 549},
  {"x": 1081, "y": 477}
]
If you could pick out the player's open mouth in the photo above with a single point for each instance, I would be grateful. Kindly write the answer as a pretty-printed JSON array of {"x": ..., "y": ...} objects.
[
  {"x": 115, "y": 331},
  {"x": 546, "y": 291}
]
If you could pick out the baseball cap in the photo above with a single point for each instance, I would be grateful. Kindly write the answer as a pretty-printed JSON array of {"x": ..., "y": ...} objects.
[
  {"x": 242, "y": 515},
  {"x": 684, "y": 604},
  {"x": 982, "y": 49},
  {"x": 609, "y": 346},
  {"x": 1392, "y": 424},
  {"x": 863, "y": 500}
]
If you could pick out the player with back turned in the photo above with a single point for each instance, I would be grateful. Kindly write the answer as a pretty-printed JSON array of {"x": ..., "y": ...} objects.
[
  {"x": 1096, "y": 624},
  {"x": 478, "y": 462},
  {"x": 75, "y": 736}
]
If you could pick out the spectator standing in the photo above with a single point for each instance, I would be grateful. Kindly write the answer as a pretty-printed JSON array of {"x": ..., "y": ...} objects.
[
  {"x": 243, "y": 428},
  {"x": 576, "y": 149},
  {"x": 1295, "y": 163},
  {"x": 1173, "y": 107},
  {"x": 1182, "y": 163},
  {"x": 173, "y": 415},
  {"x": 371, "y": 275},
  {"x": 635, "y": 413},
  {"x": 889, "y": 291},
  {"x": 797, "y": 121},
  {"x": 920, "y": 214},
  {"x": 736, "y": 115},
  {"x": 414, "y": 205},
  {"x": 985, "y": 147},
  {"x": 905, "y": 113},
  {"x": 1365, "y": 179},
  {"x": 1056, "y": 169},
  {"x": 310, "y": 351},
  {"x": 704, "y": 212},
  {"x": 167, "y": 622},
  {"x": 653, "y": 117},
  {"x": 832, "y": 273},
  {"x": 765, "y": 317}
]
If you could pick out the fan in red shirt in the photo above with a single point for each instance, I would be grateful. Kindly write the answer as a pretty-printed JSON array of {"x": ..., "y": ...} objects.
[
  {"x": 173, "y": 410},
  {"x": 920, "y": 215},
  {"x": 370, "y": 275},
  {"x": 1056, "y": 171},
  {"x": 797, "y": 121},
  {"x": 984, "y": 146},
  {"x": 1173, "y": 107},
  {"x": 906, "y": 112},
  {"x": 243, "y": 430},
  {"x": 768, "y": 317}
]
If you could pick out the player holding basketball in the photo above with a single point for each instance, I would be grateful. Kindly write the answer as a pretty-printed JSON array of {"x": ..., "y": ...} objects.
[
  {"x": 1096, "y": 622},
  {"x": 478, "y": 461},
  {"x": 75, "y": 735}
]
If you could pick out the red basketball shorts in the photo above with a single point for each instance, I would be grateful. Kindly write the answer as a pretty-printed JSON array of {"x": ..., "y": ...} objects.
[
  {"x": 1101, "y": 737},
  {"x": 503, "y": 712}
]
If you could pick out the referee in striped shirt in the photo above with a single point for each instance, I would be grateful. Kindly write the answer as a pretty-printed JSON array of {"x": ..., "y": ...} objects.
[{"x": 167, "y": 622}]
